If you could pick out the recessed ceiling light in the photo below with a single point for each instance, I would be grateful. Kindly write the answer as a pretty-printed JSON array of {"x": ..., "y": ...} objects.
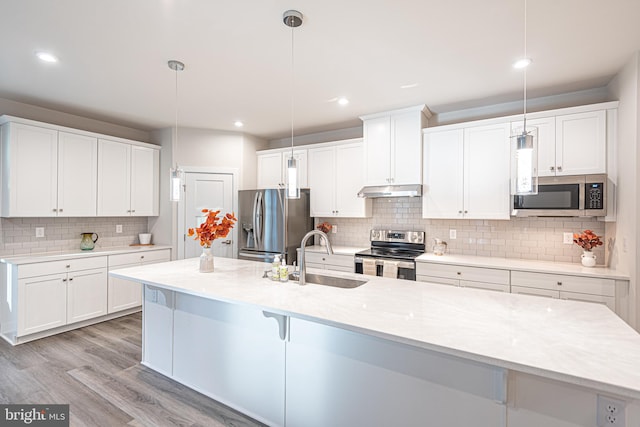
[
  {"x": 46, "y": 57},
  {"x": 238, "y": 124},
  {"x": 522, "y": 63},
  {"x": 343, "y": 101},
  {"x": 409, "y": 86}
]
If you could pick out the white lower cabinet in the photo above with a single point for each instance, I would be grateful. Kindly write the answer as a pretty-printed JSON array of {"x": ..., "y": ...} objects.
[
  {"x": 562, "y": 286},
  {"x": 125, "y": 294},
  {"x": 469, "y": 277},
  {"x": 86, "y": 294},
  {"x": 43, "y": 301},
  {"x": 334, "y": 262},
  {"x": 58, "y": 293},
  {"x": 340, "y": 378}
]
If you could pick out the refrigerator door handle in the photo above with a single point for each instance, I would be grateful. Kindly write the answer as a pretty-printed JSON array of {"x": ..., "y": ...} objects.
[
  {"x": 259, "y": 218},
  {"x": 256, "y": 239}
]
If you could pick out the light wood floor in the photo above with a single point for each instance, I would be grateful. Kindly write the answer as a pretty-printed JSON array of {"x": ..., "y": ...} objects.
[{"x": 97, "y": 371}]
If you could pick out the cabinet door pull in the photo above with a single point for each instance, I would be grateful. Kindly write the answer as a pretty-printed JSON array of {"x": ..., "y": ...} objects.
[
  {"x": 552, "y": 168},
  {"x": 559, "y": 283},
  {"x": 559, "y": 168},
  {"x": 64, "y": 280},
  {"x": 59, "y": 210},
  {"x": 68, "y": 266},
  {"x": 459, "y": 212},
  {"x": 70, "y": 279},
  {"x": 55, "y": 210},
  {"x": 459, "y": 273}
]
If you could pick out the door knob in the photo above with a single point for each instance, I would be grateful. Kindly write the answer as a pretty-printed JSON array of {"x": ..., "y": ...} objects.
[{"x": 226, "y": 242}]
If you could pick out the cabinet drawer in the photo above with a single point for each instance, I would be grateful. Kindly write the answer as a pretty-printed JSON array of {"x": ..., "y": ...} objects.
[
  {"x": 146, "y": 257},
  {"x": 333, "y": 260},
  {"x": 575, "y": 296},
  {"x": 523, "y": 290},
  {"x": 438, "y": 280},
  {"x": 500, "y": 287},
  {"x": 54, "y": 267},
  {"x": 474, "y": 274},
  {"x": 560, "y": 282}
]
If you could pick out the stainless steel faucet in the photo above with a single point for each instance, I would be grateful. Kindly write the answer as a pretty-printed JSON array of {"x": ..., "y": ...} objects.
[{"x": 303, "y": 244}]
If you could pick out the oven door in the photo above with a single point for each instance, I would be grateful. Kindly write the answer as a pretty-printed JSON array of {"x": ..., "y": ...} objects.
[{"x": 406, "y": 269}]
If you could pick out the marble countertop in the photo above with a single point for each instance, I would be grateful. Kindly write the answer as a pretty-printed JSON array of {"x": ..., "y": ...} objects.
[
  {"x": 524, "y": 265},
  {"x": 337, "y": 250},
  {"x": 569, "y": 341},
  {"x": 56, "y": 256}
]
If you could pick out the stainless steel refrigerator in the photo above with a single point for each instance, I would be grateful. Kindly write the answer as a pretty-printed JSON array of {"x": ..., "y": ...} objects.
[{"x": 271, "y": 224}]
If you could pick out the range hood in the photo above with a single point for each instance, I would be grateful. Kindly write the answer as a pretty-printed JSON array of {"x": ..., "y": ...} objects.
[{"x": 410, "y": 190}]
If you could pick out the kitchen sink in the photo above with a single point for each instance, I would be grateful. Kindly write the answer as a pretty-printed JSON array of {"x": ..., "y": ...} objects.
[{"x": 337, "y": 282}]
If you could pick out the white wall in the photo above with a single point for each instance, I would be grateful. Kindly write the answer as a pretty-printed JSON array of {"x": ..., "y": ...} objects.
[
  {"x": 205, "y": 149},
  {"x": 33, "y": 112},
  {"x": 626, "y": 88}
]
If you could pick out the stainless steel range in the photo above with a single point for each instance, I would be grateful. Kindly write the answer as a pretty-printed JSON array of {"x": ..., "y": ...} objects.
[{"x": 392, "y": 254}]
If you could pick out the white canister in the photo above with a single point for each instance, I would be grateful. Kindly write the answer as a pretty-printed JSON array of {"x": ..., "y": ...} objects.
[{"x": 145, "y": 238}]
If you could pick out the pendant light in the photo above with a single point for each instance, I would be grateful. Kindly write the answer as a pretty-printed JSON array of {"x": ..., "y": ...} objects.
[
  {"x": 176, "y": 174},
  {"x": 524, "y": 147},
  {"x": 292, "y": 19}
]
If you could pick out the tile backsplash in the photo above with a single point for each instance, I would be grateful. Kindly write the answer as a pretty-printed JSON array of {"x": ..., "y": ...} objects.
[
  {"x": 524, "y": 238},
  {"x": 63, "y": 234}
]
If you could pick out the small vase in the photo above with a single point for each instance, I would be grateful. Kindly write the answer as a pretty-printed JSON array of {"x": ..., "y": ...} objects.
[
  {"x": 206, "y": 260},
  {"x": 588, "y": 259}
]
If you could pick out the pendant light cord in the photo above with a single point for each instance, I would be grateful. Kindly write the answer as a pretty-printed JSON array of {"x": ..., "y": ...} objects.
[
  {"x": 525, "y": 68},
  {"x": 292, "y": 86},
  {"x": 174, "y": 145}
]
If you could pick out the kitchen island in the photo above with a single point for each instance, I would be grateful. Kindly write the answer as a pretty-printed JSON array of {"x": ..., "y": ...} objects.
[{"x": 390, "y": 352}]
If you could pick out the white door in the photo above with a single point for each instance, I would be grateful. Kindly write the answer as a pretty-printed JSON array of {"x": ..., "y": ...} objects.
[
  {"x": 443, "y": 178},
  {"x": 581, "y": 143},
  {"x": 211, "y": 191},
  {"x": 486, "y": 172},
  {"x": 546, "y": 128},
  {"x": 114, "y": 178},
  {"x": 322, "y": 181},
  {"x": 144, "y": 181},
  {"x": 377, "y": 150},
  {"x": 270, "y": 170},
  {"x": 349, "y": 172},
  {"x": 77, "y": 175},
  {"x": 406, "y": 154},
  {"x": 86, "y": 294}
]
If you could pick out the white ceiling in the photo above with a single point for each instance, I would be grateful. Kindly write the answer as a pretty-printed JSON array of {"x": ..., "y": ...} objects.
[{"x": 113, "y": 57}]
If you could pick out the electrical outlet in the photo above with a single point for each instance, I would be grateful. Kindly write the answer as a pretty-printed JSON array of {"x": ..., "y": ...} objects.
[
  {"x": 453, "y": 234},
  {"x": 610, "y": 412},
  {"x": 334, "y": 229},
  {"x": 39, "y": 231},
  {"x": 119, "y": 228},
  {"x": 567, "y": 238}
]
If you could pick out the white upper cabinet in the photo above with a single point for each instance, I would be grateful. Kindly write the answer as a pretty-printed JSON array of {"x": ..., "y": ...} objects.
[
  {"x": 336, "y": 174},
  {"x": 272, "y": 167},
  {"x": 47, "y": 173},
  {"x": 77, "y": 175},
  {"x": 581, "y": 143},
  {"x": 393, "y": 146},
  {"x": 50, "y": 170},
  {"x": 145, "y": 194},
  {"x": 128, "y": 178},
  {"x": 570, "y": 144},
  {"x": 467, "y": 172}
]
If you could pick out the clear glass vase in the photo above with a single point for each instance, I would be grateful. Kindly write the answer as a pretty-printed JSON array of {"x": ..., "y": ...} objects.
[{"x": 206, "y": 260}]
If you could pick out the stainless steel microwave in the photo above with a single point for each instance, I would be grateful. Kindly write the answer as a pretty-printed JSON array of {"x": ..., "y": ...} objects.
[{"x": 576, "y": 195}]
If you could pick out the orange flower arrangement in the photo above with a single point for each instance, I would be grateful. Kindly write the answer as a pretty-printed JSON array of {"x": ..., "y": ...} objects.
[
  {"x": 587, "y": 240},
  {"x": 213, "y": 227},
  {"x": 325, "y": 227}
]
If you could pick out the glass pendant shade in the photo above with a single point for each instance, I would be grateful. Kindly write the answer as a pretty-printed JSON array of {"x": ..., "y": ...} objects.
[
  {"x": 524, "y": 155},
  {"x": 175, "y": 183},
  {"x": 293, "y": 191}
]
